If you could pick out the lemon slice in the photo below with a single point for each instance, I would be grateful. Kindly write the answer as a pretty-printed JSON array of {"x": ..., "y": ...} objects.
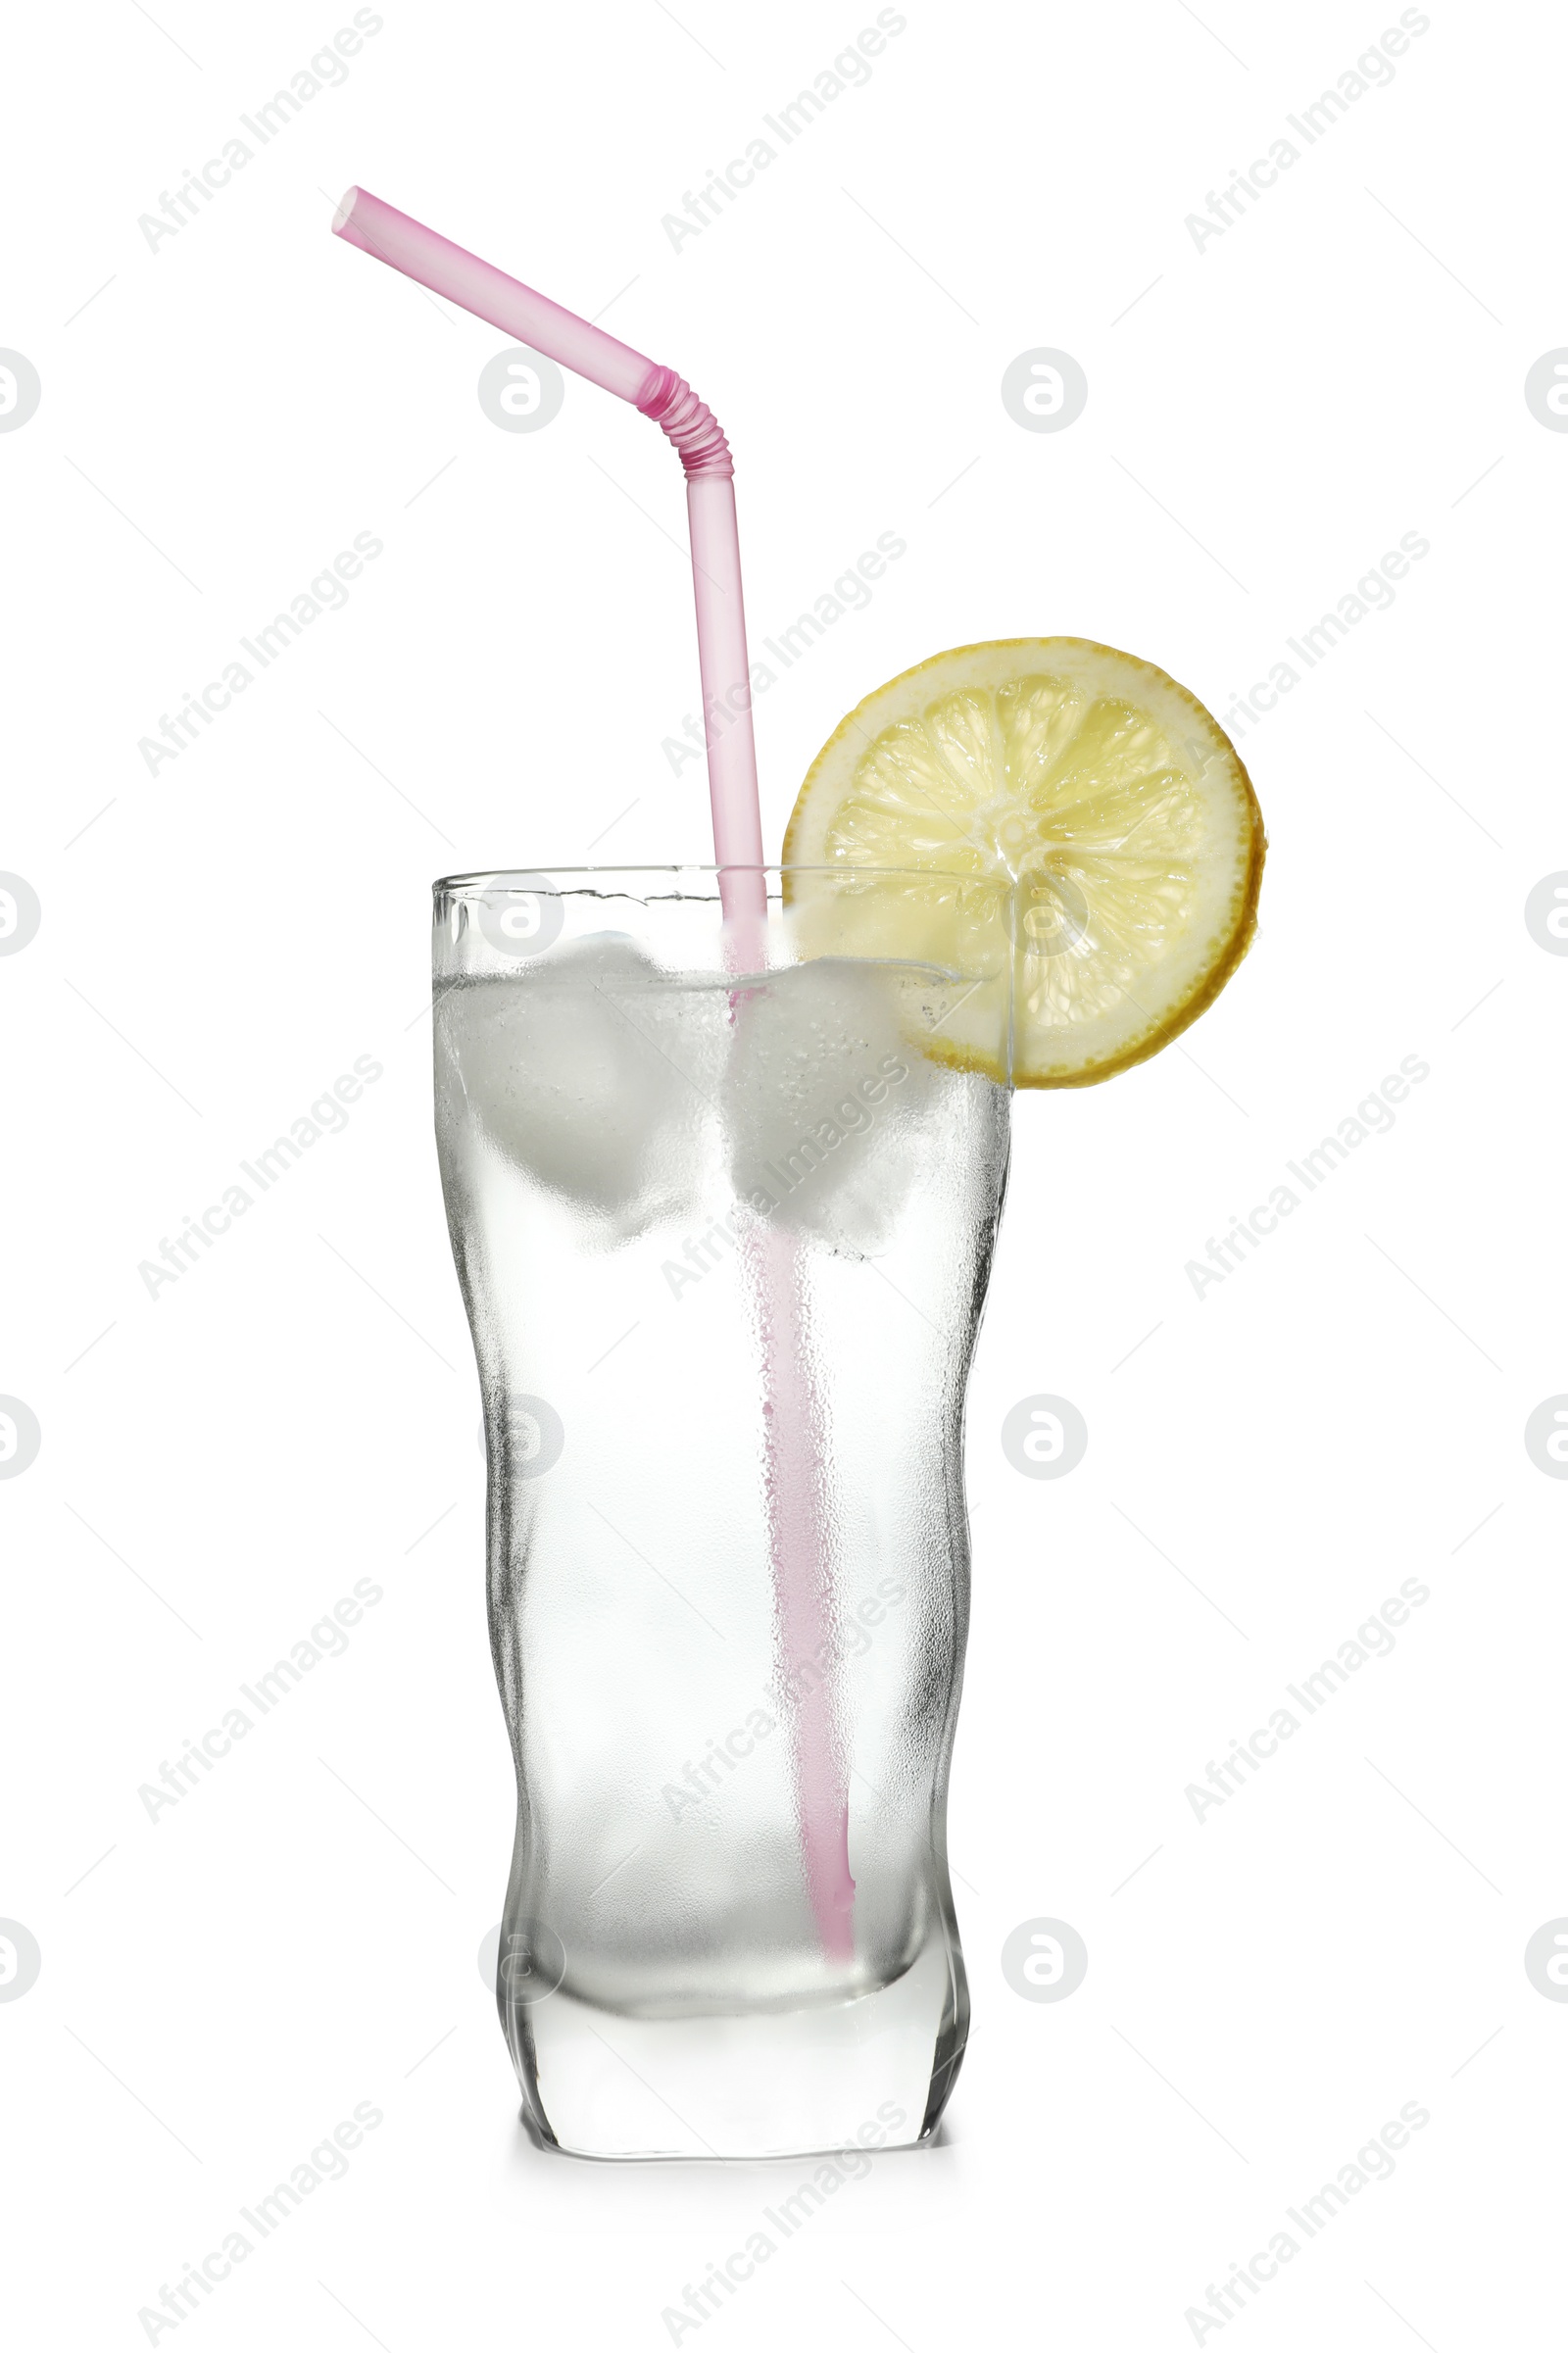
[{"x": 1060, "y": 822}]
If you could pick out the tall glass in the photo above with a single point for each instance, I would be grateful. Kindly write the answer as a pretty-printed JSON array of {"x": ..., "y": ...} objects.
[{"x": 723, "y": 1236}]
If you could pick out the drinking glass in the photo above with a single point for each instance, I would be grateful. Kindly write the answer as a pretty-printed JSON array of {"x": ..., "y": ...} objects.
[{"x": 723, "y": 1236}]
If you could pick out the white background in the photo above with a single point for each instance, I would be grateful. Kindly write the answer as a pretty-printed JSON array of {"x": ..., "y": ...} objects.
[{"x": 1266, "y": 416}]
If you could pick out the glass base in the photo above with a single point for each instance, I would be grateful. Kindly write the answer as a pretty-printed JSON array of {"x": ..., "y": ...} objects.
[{"x": 868, "y": 2074}]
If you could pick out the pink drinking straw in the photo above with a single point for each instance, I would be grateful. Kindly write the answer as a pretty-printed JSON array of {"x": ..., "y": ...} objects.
[
  {"x": 379, "y": 230},
  {"x": 794, "y": 1435}
]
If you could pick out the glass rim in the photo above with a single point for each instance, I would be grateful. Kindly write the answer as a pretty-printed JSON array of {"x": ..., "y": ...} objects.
[{"x": 531, "y": 878}]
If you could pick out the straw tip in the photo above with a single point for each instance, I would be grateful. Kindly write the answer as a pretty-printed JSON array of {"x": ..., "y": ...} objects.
[{"x": 344, "y": 213}]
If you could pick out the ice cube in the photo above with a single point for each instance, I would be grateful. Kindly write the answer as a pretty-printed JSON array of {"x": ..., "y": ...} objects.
[
  {"x": 823, "y": 1097},
  {"x": 580, "y": 1069}
]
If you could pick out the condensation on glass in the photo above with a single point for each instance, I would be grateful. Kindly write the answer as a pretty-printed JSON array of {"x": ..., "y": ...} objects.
[{"x": 723, "y": 1238}]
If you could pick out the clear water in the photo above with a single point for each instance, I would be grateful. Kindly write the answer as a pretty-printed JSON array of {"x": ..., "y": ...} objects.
[{"x": 636, "y": 1162}]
